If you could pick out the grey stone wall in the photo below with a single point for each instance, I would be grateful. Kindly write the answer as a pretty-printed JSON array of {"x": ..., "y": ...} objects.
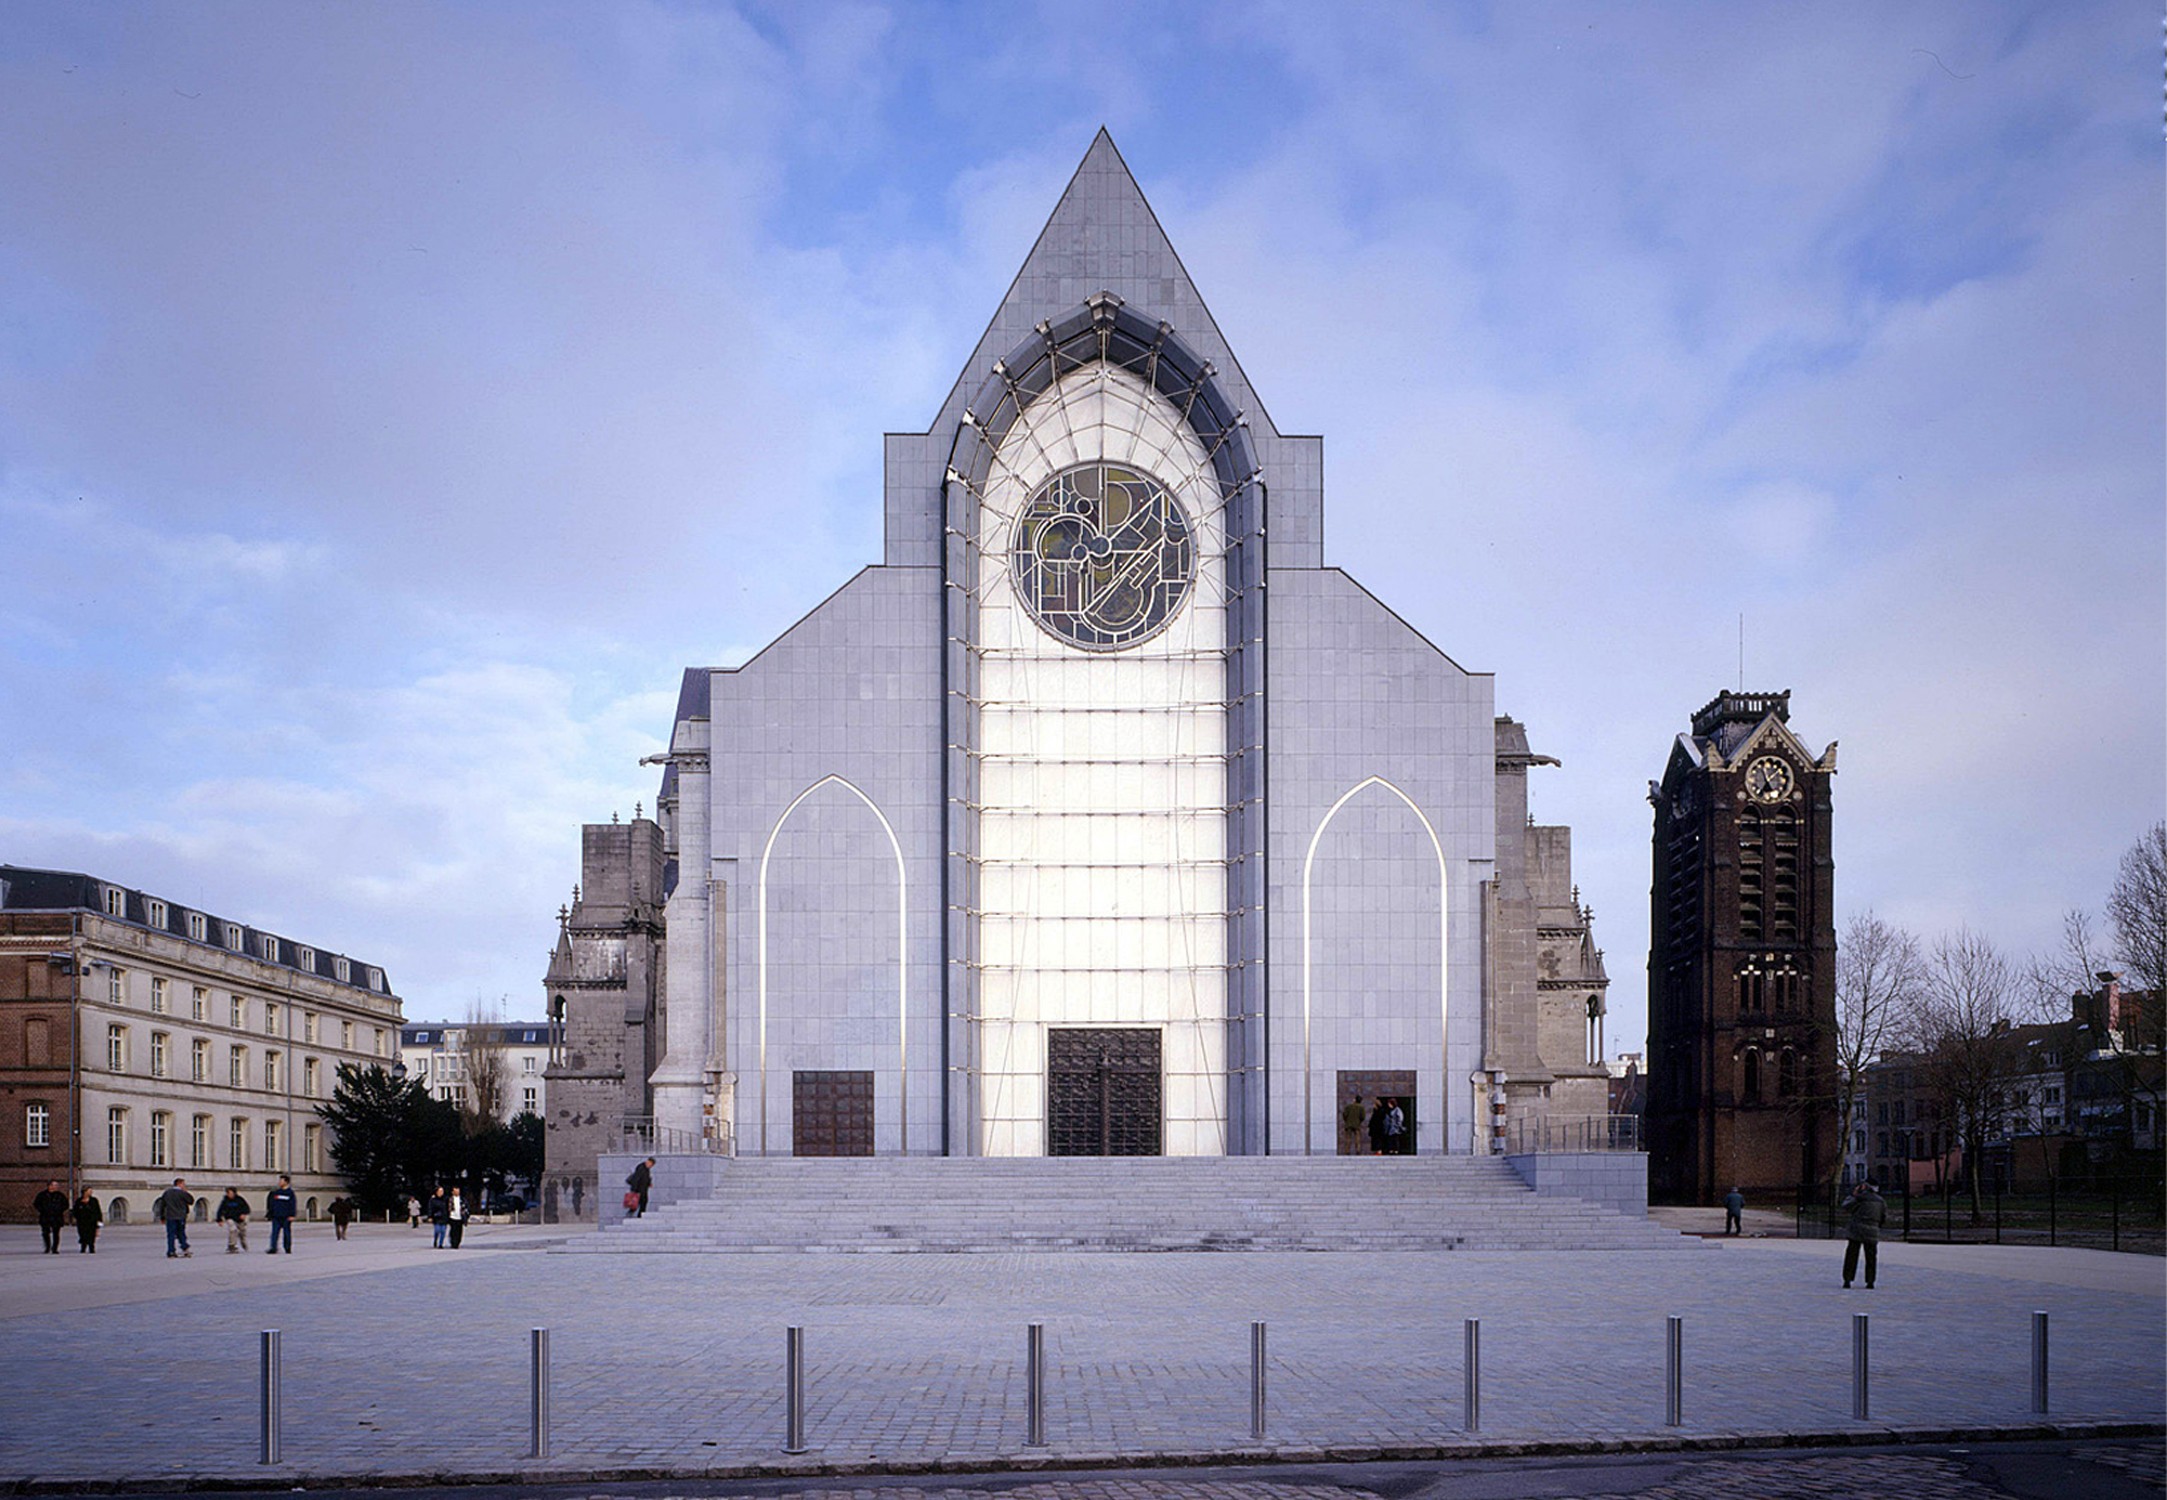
[{"x": 1611, "y": 1179}]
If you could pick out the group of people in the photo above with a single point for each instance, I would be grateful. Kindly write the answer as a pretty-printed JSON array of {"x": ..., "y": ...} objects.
[
  {"x": 1384, "y": 1123},
  {"x": 447, "y": 1210},
  {"x": 54, "y": 1211}
]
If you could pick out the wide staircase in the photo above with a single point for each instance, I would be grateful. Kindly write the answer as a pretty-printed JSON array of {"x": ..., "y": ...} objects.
[{"x": 984, "y": 1204}]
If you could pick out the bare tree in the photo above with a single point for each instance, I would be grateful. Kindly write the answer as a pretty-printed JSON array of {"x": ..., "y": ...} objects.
[
  {"x": 482, "y": 1066},
  {"x": 1879, "y": 980},
  {"x": 2137, "y": 906},
  {"x": 1969, "y": 1056},
  {"x": 2054, "y": 980}
]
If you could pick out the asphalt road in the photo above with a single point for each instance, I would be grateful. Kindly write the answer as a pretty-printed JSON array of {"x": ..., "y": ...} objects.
[{"x": 2104, "y": 1469}]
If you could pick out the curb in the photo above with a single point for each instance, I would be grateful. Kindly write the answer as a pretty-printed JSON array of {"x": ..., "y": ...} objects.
[{"x": 284, "y": 1476}]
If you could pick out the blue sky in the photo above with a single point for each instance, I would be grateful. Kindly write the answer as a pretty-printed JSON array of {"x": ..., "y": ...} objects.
[{"x": 394, "y": 398}]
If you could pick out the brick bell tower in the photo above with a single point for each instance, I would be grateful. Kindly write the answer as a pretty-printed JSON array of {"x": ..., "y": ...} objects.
[{"x": 1741, "y": 960}]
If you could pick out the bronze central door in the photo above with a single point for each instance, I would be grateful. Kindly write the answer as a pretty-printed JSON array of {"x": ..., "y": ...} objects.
[
  {"x": 831, "y": 1114},
  {"x": 1103, "y": 1091}
]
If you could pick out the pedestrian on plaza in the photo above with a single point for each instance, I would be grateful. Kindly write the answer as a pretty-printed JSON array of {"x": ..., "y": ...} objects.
[
  {"x": 439, "y": 1216},
  {"x": 1376, "y": 1129},
  {"x": 1869, "y": 1210},
  {"x": 233, "y": 1213},
  {"x": 279, "y": 1207},
  {"x": 413, "y": 1212},
  {"x": 172, "y": 1206},
  {"x": 1734, "y": 1212},
  {"x": 88, "y": 1216},
  {"x": 1351, "y": 1117},
  {"x": 52, "y": 1207},
  {"x": 342, "y": 1214},
  {"x": 455, "y": 1216},
  {"x": 641, "y": 1180},
  {"x": 1395, "y": 1129}
]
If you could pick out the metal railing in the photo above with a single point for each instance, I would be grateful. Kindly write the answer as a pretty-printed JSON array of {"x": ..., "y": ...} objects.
[
  {"x": 1573, "y": 1133},
  {"x": 642, "y": 1135}
]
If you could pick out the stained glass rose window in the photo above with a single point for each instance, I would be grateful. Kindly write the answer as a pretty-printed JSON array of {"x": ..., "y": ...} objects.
[{"x": 1103, "y": 556}]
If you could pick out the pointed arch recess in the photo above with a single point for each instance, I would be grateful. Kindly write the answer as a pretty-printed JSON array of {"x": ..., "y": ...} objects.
[
  {"x": 902, "y": 953},
  {"x": 1309, "y": 861}
]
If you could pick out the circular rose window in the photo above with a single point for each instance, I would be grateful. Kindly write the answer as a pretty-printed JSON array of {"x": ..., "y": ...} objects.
[{"x": 1103, "y": 556}]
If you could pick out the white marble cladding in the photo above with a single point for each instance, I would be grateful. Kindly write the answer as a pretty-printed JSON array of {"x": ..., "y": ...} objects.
[{"x": 1101, "y": 837}]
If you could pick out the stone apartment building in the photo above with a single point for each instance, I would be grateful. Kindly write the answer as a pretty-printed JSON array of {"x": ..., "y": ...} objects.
[
  {"x": 437, "y": 1051},
  {"x": 143, "y": 1039}
]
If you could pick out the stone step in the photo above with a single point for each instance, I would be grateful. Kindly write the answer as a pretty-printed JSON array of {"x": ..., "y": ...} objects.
[{"x": 779, "y": 1205}]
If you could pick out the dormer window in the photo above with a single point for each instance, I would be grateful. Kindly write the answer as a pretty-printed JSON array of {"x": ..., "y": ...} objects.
[
  {"x": 342, "y": 971},
  {"x": 376, "y": 979},
  {"x": 268, "y": 945},
  {"x": 233, "y": 936},
  {"x": 198, "y": 925},
  {"x": 157, "y": 913},
  {"x": 306, "y": 958},
  {"x": 116, "y": 901}
]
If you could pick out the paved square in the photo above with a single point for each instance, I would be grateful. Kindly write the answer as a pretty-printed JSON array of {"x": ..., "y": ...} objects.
[{"x": 400, "y": 1360}]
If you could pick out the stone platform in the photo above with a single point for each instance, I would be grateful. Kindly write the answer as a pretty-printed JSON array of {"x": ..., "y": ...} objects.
[{"x": 995, "y": 1204}]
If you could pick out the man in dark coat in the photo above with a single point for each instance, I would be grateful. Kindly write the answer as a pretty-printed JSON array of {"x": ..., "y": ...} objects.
[
  {"x": 642, "y": 1179},
  {"x": 172, "y": 1206},
  {"x": 52, "y": 1207},
  {"x": 1734, "y": 1212},
  {"x": 1868, "y": 1212},
  {"x": 279, "y": 1207},
  {"x": 1377, "y": 1143},
  {"x": 88, "y": 1216}
]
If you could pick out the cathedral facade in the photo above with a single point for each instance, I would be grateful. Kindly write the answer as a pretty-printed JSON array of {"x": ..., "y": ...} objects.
[{"x": 1102, "y": 815}]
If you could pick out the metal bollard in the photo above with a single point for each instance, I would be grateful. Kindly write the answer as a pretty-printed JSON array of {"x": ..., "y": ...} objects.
[
  {"x": 794, "y": 1390},
  {"x": 1034, "y": 1385},
  {"x": 538, "y": 1393},
  {"x": 1859, "y": 1402},
  {"x": 271, "y": 1395},
  {"x": 1674, "y": 1373},
  {"x": 2039, "y": 1362},
  {"x": 1473, "y": 1359},
  {"x": 1256, "y": 1382}
]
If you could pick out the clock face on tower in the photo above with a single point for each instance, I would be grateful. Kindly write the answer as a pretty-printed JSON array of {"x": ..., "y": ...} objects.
[
  {"x": 1768, "y": 779},
  {"x": 1103, "y": 556}
]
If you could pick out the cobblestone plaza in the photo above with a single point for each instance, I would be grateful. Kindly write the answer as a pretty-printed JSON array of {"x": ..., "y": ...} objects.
[{"x": 404, "y": 1362}]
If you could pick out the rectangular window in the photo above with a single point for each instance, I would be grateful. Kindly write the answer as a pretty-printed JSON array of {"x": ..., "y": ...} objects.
[
  {"x": 197, "y": 925},
  {"x": 37, "y": 1125},
  {"x": 199, "y": 1141},
  {"x": 308, "y": 1026},
  {"x": 157, "y": 994},
  {"x": 116, "y": 1049},
  {"x": 526, "y": 1064},
  {"x": 267, "y": 945},
  {"x": 379, "y": 1041},
  {"x": 159, "y": 1045},
  {"x": 2054, "y": 1095},
  {"x": 237, "y": 1067},
  {"x": 233, "y": 936},
  {"x": 199, "y": 1062},
  {"x": 312, "y": 1148},
  {"x": 342, "y": 971},
  {"x": 161, "y": 1133},
  {"x": 237, "y": 1014},
  {"x": 311, "y": 1077},
  {"x": 376, "y": 979},
  {"x": 116, "y": 901},
  {"x": 157, "y": 911},
  {"x": 199, "y": 1003},
  {"x": 346, "y": 1036},
  {"x": 306, "y": 958},
  {"x": 272, "y": 1161},
  {"x": 530, "y": 1100},
  {"x": 116, "y": 1137},
  {"x": 116, "y": 986},
  {"x": 237, "y": 1145},
  {"x": 270, "y": 1018},
  {"x": 270, "y": 1073}
]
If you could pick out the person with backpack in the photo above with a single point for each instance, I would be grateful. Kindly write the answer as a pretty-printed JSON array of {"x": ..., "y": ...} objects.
[{"x": 172, "y": 1206}]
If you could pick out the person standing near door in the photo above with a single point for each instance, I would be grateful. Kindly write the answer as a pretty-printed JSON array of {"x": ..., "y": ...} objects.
[{"x": 1351, "y": 1116}]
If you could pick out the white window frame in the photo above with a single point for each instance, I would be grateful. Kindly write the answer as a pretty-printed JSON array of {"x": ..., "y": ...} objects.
[
  {"x": 116, "y": 901},
  {"x": 199, "y": 926},
  {"x": 237, "y": 1144},
  {"x": 199, "y": 1003},
  {"x": 116, "y": 986},
  {"x": 161, "y": 1057},
  {"x": 37, "y": 1124},
  {"x": 270, "y": 1069},
  {"x": 199, "y": 1141},
  {"x": 271, "y": 1018},
  {"x": 157, "y": 913},
  {"x": 531, "y": 1100},
  {"x": 342, "y": 971},
  {"x": 233, "y": 936},
  {"x": 116, "y": 1136},
  {"x": 161, "y": 1138},
  {"x": 160, "y": 994},
  {"x": 116, "y": 1048},
  {"x": 312, "y": 1148},
  {"x": 273, "y": 1139},
  {"x": 346, "y": 1036},
  {"x": 267, "y": 946},
  {"x": 308, "y": 1026},
  {"x": 237, "y": 1014},
  {"x": 199, "y": 1061},
  {"x": 237, "y": 1067},
  {"x": 312, "y": 1072}
]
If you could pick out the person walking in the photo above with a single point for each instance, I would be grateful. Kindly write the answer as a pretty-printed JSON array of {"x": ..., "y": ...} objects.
[
  {"x": 233, "y": 1213},
  {"x": 173, "y": 1205},
  {"x": 1869, "y": 1210},
  {"x": 279, "y": 1207},
  {"x": 342, "y": 1214},
  {"x": 413, "y": 1212},
  {"x": 1350, "y": 1126},
  {"x": 439, "y": 1217},
  {"x": 52, "y": 1207},
  {"x": 1376, "y": 1129},
  {"x": 455, "y": 1216},
  {"x": 1734, "y": 1212},
  {"x": 640, "y": 1182},
  {"x": 88, "y": 1216}
]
